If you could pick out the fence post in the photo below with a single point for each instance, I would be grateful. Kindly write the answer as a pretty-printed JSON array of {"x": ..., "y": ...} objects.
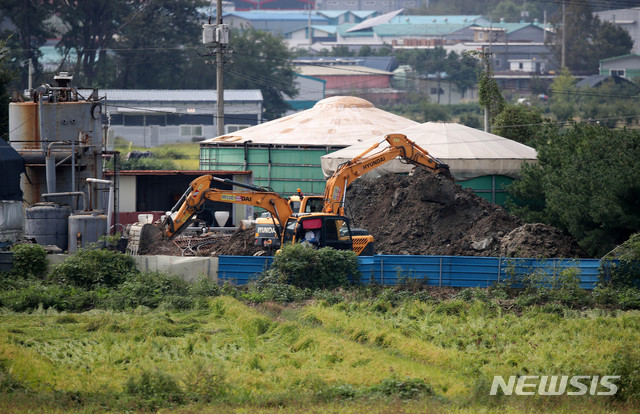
[
  {"x": 499, "y": 267},
  {"x": 381, "y": 271},
  {"x": 440, "y": 276}
]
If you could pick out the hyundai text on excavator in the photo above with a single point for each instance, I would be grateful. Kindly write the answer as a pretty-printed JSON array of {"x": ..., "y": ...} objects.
[{"x": 333, "y": 230}]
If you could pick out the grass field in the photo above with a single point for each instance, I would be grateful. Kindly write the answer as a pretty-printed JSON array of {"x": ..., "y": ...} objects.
[
  {"x": 186, "y": 156},
  {"x": 352, "y": 355}
]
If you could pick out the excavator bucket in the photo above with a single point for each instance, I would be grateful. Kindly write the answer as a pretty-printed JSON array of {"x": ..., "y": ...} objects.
[{"x": 142, "y": 236}]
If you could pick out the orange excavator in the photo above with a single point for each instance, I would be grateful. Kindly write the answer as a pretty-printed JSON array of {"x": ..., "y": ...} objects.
[
  {"x": 329, "y": 229},
  {"x": 399, "y": 146}
]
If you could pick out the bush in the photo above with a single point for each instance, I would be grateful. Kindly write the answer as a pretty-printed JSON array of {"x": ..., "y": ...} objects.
[
  {"x": 150, "y": 289},
  {"x": 624, "y": 272},
  {"x": 626, "y": 363},
  {"x": 29, "y": 260},
  {"x": 406, "y": 389},
  {"x": 38, "y": 294},
  {"x": 154, "y": 389},
  {"x": 306, "y": 267},
  {"x": 91, "y": 269}
]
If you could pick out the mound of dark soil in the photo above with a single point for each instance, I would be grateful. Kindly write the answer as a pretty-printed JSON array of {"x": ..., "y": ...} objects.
[{"x": 426, "y": 214}]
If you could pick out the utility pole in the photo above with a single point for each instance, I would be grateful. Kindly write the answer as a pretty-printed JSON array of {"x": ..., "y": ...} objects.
[
  {"x": 564, "y": 31},
  {"x": 217, "y": 35},
  {"x": 220, "y": 120},
  {"x": 487, "y": 69}
]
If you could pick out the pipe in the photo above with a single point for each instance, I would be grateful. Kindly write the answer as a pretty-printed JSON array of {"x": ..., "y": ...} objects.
[
  {"x": 50, "y": 166},
  {"x": 69, "y": 194},
  {"x": 246, "y": 154},
  {"x": 110, "y": 203}
]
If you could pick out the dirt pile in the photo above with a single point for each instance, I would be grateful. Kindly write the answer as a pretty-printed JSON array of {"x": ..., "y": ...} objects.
[{"x": 425, "y": 214}]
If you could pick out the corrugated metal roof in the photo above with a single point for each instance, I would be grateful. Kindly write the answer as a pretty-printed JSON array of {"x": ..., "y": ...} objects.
[
  {"x": 374, "y": 21},
  {"x": 447, "y": 19},
  {"x": 338, "y": 121},
  {"x": 332, "y": 14},
  {"x": 176, "y": 95},
  {"x": 388, "y": 63},
  {"x": 397, "y": 29},
  {"x": 195, "y": 173},
  {"x": 509, "y": 27},
  {"x": 276, "y": 15},
  {"x": 338, "y": 70},
  {"x": 363, "y": 14}
]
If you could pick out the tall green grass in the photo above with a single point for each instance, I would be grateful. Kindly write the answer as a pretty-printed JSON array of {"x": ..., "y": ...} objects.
[{"x": 359, "y": 354}]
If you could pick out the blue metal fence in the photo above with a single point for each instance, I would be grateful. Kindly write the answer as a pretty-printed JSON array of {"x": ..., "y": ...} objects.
[
  {"x": 240, "y": 270},
  {"x": 446, "y": 271}
]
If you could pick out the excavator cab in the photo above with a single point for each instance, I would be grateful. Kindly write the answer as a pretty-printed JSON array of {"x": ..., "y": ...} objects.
[{"x": 331, "y": 231}]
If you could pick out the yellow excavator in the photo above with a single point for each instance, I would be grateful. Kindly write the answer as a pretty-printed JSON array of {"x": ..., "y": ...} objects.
[
  {"x": 329, "y": 229},
  {"x": 399, "y": 146}
]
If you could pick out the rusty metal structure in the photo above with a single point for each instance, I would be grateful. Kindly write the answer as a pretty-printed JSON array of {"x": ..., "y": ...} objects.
[{"x": 59, "y": 134}]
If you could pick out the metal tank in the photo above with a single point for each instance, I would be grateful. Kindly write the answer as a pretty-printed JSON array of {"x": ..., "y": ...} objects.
[
  {"x": 60, "y": 128},
  {"x": 47, "y": 223},
  {"x": 86, "y": 228}
]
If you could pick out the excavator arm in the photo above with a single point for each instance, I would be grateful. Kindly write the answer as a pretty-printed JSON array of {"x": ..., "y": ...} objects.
[
  {"x": 193, "y": 200},
  {"x": 399, "y": 146}
]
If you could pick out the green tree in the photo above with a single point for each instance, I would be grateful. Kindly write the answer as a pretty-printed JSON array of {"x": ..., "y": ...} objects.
[
  {"x": 610, "y": 104},
  {"x": 588, "y": 40},
  {"x": 92, "y": 27},
  {"x": 508, "y": 10},
  {"x": 520, "y": 123},
  {"x": 262, "y": 61},
  {"x": 586, "y": 181},
  {"x": 489, "y": 95},
  {"x": 563, "y": 95},
  {"x": 31, "y": 30},
  {"x": 157, "y": 48}
]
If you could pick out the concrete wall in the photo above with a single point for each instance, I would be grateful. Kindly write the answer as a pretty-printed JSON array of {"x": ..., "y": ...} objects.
[{"x": 188, "y": 268}]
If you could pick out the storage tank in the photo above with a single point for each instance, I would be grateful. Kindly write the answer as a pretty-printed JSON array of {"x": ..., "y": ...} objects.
[
  {"x": 62, "y": 128},
  {"x": 47, "y": 223},
  {"x": 86, "y": 228}
]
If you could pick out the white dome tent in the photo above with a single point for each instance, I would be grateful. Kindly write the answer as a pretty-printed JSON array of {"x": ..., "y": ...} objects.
[{"x": 285, "y": 153}]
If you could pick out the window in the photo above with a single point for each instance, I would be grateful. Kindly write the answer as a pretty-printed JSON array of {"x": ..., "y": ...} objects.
[
  {"x": 617, "y": 72},
  {"x": 234, "y": 128},
  {"x": 369, "y": 3},
  {"x": 436, "y": 91},
  {"x": 190, "y": 130},
  {"x": 133, "y": 120},
  {"x": 409, "y": 4},
  {"x": 520, "y": 65},
  {"x": 159, "y": 120},
  {"x": 480, "y": 35},
  {"x": 351, "y": 3}
]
